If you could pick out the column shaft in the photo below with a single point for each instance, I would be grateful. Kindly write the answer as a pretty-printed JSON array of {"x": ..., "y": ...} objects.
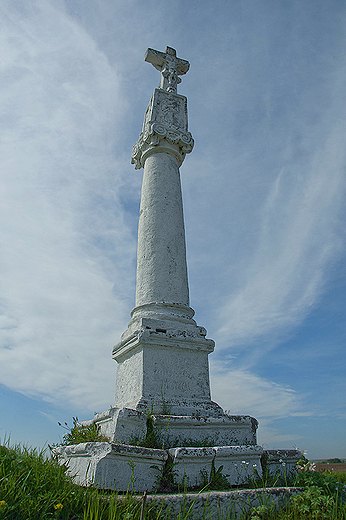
[{"x": 161, "y": 256}]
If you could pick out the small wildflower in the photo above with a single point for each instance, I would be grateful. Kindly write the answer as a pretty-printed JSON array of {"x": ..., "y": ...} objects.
[
  {"x": 58, "y": 507},
  {"x": 309, "y": 466},
  {"x": 2, "y": 503}
]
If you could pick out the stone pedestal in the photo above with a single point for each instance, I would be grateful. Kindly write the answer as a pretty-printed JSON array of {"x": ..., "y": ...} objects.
[{"x": 163, "y": 363}]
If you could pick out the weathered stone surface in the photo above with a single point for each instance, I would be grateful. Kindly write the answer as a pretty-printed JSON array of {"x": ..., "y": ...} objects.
[
  {"x": 191, "y": 465},
  {"x": 82, "y": 460},
  {"x": 165, "y": 129},
  {"x": 239, "y": 463},
  {"x": 281, "y": 463},
  {"x": 223, "y": 504},
  {"x": 170, "y": 66},
  {"x": 163, "y": 367},
  {"x": 122, "y": 467},
  {"x": 120, "y": 425},
  {"x": 161, "y": 253},
  {"x": 225, "y": 430},
  {"x": 113, "y": 466}
]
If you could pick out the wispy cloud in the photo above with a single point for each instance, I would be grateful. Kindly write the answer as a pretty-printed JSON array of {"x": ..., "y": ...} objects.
[
  {"x": 297, "y": 243},
  {"x": 243, "y": 392},
  {"x": 65, "y": 245}
]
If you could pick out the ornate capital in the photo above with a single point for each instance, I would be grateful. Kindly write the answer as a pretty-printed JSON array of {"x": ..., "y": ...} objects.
[
  {"x": 165, "y": 129},
  {"x": 158, "y": 138}
]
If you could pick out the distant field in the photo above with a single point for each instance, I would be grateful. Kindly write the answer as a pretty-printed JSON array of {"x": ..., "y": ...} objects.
[{"x": 331, "y": 466}]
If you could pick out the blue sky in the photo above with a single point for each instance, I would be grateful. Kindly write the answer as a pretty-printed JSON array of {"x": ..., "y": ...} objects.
[{"x": 263, "y": 198}]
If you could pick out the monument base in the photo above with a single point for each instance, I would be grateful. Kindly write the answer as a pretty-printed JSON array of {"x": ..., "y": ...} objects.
[
  {"x": 132, "y": 468},
  {"x": 122, "y": 467},
  {"x": 129, "y": 426},
  {"x": 226, "y": 440},
  {"x": 113, "y": 466}
]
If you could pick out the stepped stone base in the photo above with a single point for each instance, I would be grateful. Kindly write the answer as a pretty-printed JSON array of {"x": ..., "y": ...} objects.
[
  {"x": 119, "y": 464},
  {"x": 113, "y": 466},
  {"x": 239, "y": 463},
  {"x": 125, "y": 425},
  {"x": 122, "y": 467},
  {"x": 222, "y": 504}
]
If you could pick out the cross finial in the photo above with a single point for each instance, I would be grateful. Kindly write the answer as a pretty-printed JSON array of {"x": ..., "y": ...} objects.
[{"x": 170, "y": 67}]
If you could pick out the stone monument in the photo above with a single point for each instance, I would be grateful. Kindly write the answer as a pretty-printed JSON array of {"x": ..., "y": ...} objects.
[{"x": 163, "y": 369}]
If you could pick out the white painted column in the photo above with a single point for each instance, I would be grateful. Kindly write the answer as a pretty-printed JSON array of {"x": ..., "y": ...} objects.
[
  {"x": 163, "y": 355},
  {"x": 161, "y": 256}
]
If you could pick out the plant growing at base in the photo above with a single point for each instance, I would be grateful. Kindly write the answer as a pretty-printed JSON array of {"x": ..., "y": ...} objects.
[
  {"x": 166, "y": 479},
  {"x": 152, "y": 437},
  {"x": 216, "y": 480},
  {"x": 79, "y": 433}
]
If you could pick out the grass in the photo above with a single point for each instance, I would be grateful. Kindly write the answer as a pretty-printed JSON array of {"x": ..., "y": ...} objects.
[
  {"x": 33, "y": 486},
  {"x": 79, "y": 433},
  {"x": 324, "y": 497}
]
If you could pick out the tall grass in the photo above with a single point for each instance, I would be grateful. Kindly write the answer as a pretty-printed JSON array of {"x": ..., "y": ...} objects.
[{"x": 33, "y": 486}]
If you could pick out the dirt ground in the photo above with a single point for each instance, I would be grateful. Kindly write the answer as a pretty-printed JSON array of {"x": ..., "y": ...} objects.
[{"x": 331, "y": 466}]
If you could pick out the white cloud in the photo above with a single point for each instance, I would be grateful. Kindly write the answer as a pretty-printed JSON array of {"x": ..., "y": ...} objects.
[
  {"x": 269, "y": 436},
  {"x": 297, "y": 242},
  {"x": 242, "y": 392},
  {"x": 65, "y": 245},
  {"x": 245, "y": 393}
]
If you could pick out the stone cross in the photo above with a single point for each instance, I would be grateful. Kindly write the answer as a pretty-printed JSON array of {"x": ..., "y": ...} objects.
[
  {"x": 163, "y": 355},
  {"x": 170, "y": 67}
]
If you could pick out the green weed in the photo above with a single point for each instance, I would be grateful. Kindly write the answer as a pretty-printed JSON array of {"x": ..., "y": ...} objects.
[
  {"x": 79, "y": 433},
  {"x": 216, "y": 481},
  {"x": 324, "y": 497}
]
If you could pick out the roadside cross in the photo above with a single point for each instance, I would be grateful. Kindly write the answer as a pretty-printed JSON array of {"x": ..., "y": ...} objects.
[{"x": 170, "y": 66}]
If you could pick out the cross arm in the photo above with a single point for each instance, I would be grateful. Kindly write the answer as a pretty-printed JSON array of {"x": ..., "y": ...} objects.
[
  {"x": 156, "y": 58},
  {"x": 182, "y": 66}
]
